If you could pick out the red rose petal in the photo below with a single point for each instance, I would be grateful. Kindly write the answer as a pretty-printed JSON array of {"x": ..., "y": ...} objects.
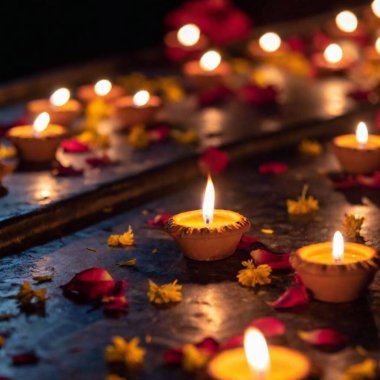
[
  {"x": 247, "y": 242},
  {"x": 159, "y": 133},
  {"x": 214, "y": 96},
  {"x": 269, "y": 326},
  {"x": 208, "y": 345},
  {"x": 274, "y": 260},
  {"x": 296, "y": 44},
  {"x": 74, "y": 146},
  {"x": 100, "y": 162},
  {"x": 273, "y": 168},
  {"x": 25, "y": 358},
  {"x": 323, "y": 338},
  {"x": 159, "y": 220},
  {"x": 258, "y": 95},
  {"x": 60, "y": 170},
  {"x": 360, "y": 95},
  {"x": 372, "y": 181},
  {"x": 235, "y": 341},
  {"x": 292, "y": 297},
  {"x": 213, "y": 161},
  {"x": 320, "y": 40}
]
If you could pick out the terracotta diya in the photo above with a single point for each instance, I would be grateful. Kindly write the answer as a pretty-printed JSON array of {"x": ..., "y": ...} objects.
[
  {"x": 331, "y": 60},
  {"x": 139, "y": 108},
  {"x": 358, "y": 154},
  {"x": 39, "y": 142},
  {"x": 346, "y": 25},
  {"x": 258, "y": 361},
  {"x": 208, "y": 234},
  {"x": 59, "y": 106},
  {"x": 269, "y": 45},
  {"x": 338, "y": 271},
  {"x": 207, "y": 72},
  {"x": 103, "y": 89}
]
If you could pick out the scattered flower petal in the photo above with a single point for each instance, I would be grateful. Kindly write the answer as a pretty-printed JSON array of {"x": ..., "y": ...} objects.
[
  {"x": 324, "y": 338},
  {"x": 273, "y": 168},
  {"x": 7, "y": 151},
  {"x": 138, "y": 137},
  {"x": 252, "y": 276},
  {"x": 25, "y": 358},
  {"x": 60, "y": 170},
  {"x": 247, "y": 242},
  {"x": 213, "y": 161},
  {"x": 303, "y": 205},
  {"x": 128, "y": 263},
  {"x": 2, "y": 341},
  {"x": 43, "y": 278},
  {"x": 269, "y": 326},
  {"x": 125, "y": 352},
  {"x": 27, "y": 295},
  {"x": 185, "y": 137},
  {"x": 74, "y": 146},
  {"x": 159, "y": 133},
  {"x": 267, "y": 231},
  {"x": 294, "y": 296},
  {"x": 310, "y": 147},
  {"x": 101, "y": 161},
  {"x": 360, "y": 94},
  {"x": 274, "y": 260},
  {"x": 258, "y": 95},
  {"x": 365, "y": 370},
  {"x": 159, "y": 220},
  {"x": 296, "y": 44},
  {"x": 216, "y": 95},
  {"x": 163, "y": 294},
  {"x": 124, "y": 240},
  {"x": 352, "y": 225}
]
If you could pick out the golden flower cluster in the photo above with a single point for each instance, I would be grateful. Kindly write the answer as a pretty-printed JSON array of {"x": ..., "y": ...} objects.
[
  {"x": 252, "y": 275},
  {"x": 28, "y": 295},
  {"x": 193, "y": 358},
  {"x": 303, "y": 205},
  {"x": 310, "y": 147},
  {"x": 124, "y": 240},
  {"x": 352, "y": 225},
  {"x": 138, "y": 137},
  {"x": 364, "y": 370},
  {"x": 163, "y": 294},
  {"x": 127, "y": 352}
]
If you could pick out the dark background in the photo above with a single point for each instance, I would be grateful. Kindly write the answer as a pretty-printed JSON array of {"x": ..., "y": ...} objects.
[{"x": 41, "y": 34}]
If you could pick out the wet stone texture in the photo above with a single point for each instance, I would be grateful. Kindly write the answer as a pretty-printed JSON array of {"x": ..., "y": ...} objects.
[{"x": 70, "y": 338}]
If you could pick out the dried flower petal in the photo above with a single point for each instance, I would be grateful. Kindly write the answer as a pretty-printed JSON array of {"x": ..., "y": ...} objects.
[
  {"x": 43, "y": 278},
  {"x": 303, "y": 205},
  {"x": 7, "y": 151},
  {"x": 213, "y": 161},
  {"x": 28, "y": 295},
  {"x": 159, "y": 220},
  {"x": 258, "y": 95},
  {"x": 247, "y": 242},
  {"x": 216, "y": 95},
  {"x": 25, "y": 358},
  {"x": 273, "y": 168},
  {"x": 252, "y": 276},
  {"x": 310, "y": 147},
  {"x": 162, "y": 294},
  {"x": 128, "y": 263},
  {"x": 267, "y": 231},
  {"x": 365, "y": 370},
  {"x": 188, "y": 136},
  {"x": 138, "y": 138},
  {"x": 74, "y": 146},
  {"x": 324, "y": 338},
  {"x": 293, "y": 297},
  {"x": 352, "y": 225},
  {"x": 274, "y": 260},
  {"x": 269, "y": 326},
  {"x": 126, "y": 352},
  {"x": 125, "y": 240}
]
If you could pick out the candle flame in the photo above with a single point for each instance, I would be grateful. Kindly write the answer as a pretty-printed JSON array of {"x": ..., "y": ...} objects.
[
  {"x": 375, "y": 6},
  {"x": 338, "y": 247},
  {"x": 377, "y": 45},
  {"x": 256, "y": 352},
  {"x": 41, "y": 122},
  {"x": 346, "y": 21},
  {"x": 141, "y": 98},
  {"x": 362, "y": 133},
  {"x": 188, "y": 35},
  {"x": 270, "y": 42},
  {"x": 210, "y": 60},
  {"x": 333, "y": 53},
  {"x": 208, "y": 202},
  {"x": 60, "y": 97},
  {"x": 102, "y": 87}
]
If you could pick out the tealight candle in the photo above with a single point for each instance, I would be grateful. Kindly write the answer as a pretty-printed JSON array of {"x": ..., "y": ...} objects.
[
  {"x": 139, "y": 108},
  {"x": 359, "y": 153},
  {"x": 346, "y": 25},
  {"x": 268, "y": 45},
  {"x": 209, "y": 71},
  {"x": 332, "y": 60},
  {"x": 103, "y": 89},
  {"x": 258, "y": 361},
  {"x": 39, "y": 142},
  {"x": 208, "y": 234},
  {"x": 62, "y": 109},
  {"x": 337, "y": 271}
]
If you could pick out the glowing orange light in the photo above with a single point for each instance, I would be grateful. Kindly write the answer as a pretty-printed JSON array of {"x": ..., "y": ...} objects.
[
  {"x": 188, "y": 35},
  {"x": 270, "y": 42},
  {"x": 208, "y": 202},
  {"x": 41, "y": 122},
  {"x": 256, "y": 352},
  {"x": 210, "y": 60},
  {"x": 338, "y": 247}
]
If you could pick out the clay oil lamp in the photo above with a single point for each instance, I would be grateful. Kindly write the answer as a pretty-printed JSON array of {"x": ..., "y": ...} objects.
[
  {"x": 37, "y": 143},
  {"x": 208, "y": 234},
  {"x": 371, "y": 15},
  {"x": 259, "y": 361},
  {"x": 207, "y": 72},
  {"x": 331, "y": 60},
  {"x": 338, "y": 271},
  {"x": 359, "y": 153},
  {"x": 372, "y": 52},
  {"x": 62, "y": 109},
  {"x": 103, "y": 89},
  {"x": 185, "y": 42},
  {"x": 139, "y": 108},
  {"x": 346, "y": 25},
  {"x": 269, "y": 45}
]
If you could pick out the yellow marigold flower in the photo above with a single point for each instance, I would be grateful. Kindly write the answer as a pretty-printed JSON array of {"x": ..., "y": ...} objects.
[
  {"x": 303, "y": 205},
  {"x": 127, "y": 238},
  {"x": 113, "y": 240},
  {"x": 267, "y": 231},
  {"x": 252, "y": 276},
  {"x": 138, "y": 137},
  {"x": 161, "y": 294},
  {"x": 184, "y": 137},
  {"x": 98, "y": 109},
  {"x": 193, "y": 358},
  {"x": 114, "y": 376},
  {"x": 7, "y": 151},
  {"x": 126, "y": 352},
  {"x": 27, "y": 294},
  {"x": 2, "y": 341},
  {"x": 241, "y": 66},
  {"x": 364, "y": 370},
  {"x": 352, "y": 225},
  {"x": 310, "y": 147}
]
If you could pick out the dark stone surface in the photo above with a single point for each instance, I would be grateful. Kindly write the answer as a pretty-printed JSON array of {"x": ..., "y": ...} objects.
[{"x": 71, "y": 338}]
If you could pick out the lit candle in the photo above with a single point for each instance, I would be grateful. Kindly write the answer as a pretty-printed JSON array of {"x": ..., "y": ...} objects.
[
  {"x": 208, "y": 72},
  {"x": 270, "y": 42},
  {"x": 208, "y": 234},
  {"x": 142, "y": 107},
  {"x": 346, "y": 21},
  {"x": 372, "y": 52},
  {"x": 377, "y": 45},
  {"x": 331, "y": 60},
  {"x": 375, "y": 6},
  {"x": 61, "y": 108},
  {"x": 338, "y": 271},
  {"x": 37, "y": 143},
  {"x": 188, "y": 35},
  {"x": 358, "y": 153},
  {"x": 103, "y": 89},
  {"x": 333, "y": 53},
  {"x": 258, "y": 361}
]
